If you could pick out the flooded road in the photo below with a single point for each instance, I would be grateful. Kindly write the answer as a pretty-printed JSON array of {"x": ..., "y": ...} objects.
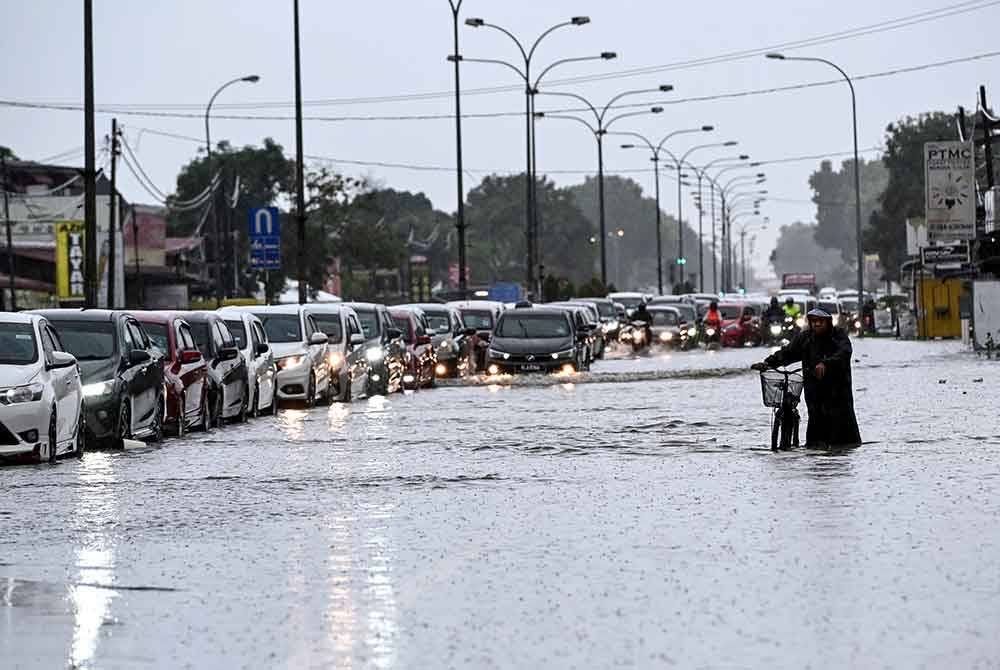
[{"x": 590, "y": 522}]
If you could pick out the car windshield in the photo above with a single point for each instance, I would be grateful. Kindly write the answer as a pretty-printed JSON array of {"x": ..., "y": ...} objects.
[
  {"x": 687, "y": 311},
  {"x": 533, "y": 326},
  {"x": 664, "y": 318},
  {"x": 730, "y": 311},
  {"x": 281, "y": 328},
  {"x": 477, "y": 320},
  {"x": 331, "y": 325},
  {"x": 17, "y": 344},
  {"x": 606, "y": 309},
  {"x": 438, "y": 321},
  {"x": 830, "y": 307},
  {"x": 239, "y": 332},
  {"x": 403, "y": 323},
  {"x": 849, "y": 305},
  {"x": 87, "y": 340},
  {"x": 630, "y": 303},
  {"x": 199, "y": 331},
  {"x": 158, "y": 334},
  {"x": 369, "y": 323}
]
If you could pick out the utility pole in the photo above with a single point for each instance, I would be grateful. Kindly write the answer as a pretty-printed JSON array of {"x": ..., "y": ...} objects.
[
  {"x": 138, "y": 273},
  {"x": 112, "y": 218},
  {"x": 90, "y": 163},
  {"x": 460, "y": 212},
  {"x": 10, "y": 243},
  {"x": 300, "y": 207}
]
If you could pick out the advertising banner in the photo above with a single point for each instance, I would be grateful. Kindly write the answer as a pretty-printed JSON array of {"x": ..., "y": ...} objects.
[
  {"x": 950, "y": 188},
  {"x": 69, "y": 260}
]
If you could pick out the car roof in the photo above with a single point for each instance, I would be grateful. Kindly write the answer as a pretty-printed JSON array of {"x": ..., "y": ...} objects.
[
  {"x": 79, "y": 314},
  {"x": 264, "y": 309},
  {"x": 199, "y": 316},
  {"x": 19, "y": 317},
  {"x": 363, "y": 305},
  {"x": 155, "y": 316},
  {"x": 476, "y": 304},
  {"x": 426, "y": 306},
  {"x": 536, "y": 309}
]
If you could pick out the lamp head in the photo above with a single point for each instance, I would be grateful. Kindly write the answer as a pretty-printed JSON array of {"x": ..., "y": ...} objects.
[
  {"x": 475, "y": 23},
  {"x": 539, "y": 115},
  {"x": 655, "y": 110},
  {"x": 707, "y": 129},
  {"x": 744, "y": 157},
  {"x": 253, "y": 79},
  {"x": 609, "y": 55},
  {"x": 730, "y": 143},
  {"x": 580, "y": 20},
  {"x": 666, "y": 88},
  {"x": 774, "y": 56},
  {"x": 628, "y": 146}
]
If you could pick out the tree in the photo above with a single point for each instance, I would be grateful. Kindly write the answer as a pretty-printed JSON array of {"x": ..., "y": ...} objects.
[
  {"x": 833, "y": 193},
  {"x": 797, "y": 251},
  {"x": 8, "y": 153}
]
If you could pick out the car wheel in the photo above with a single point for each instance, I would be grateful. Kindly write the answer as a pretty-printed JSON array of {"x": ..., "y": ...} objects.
[
  {"x": 157, "y": 426},
  {"x": 311, "y": 393},
  {"x": 345, "y": 389},
  {"x": 204, "y": 418},
  {"x": 272, "y": 409},
  {"x": 181, "y": 415},
  {"x": 124, "y": 426},
  {"x": 53, "y": 437},
  {"x": 81, "y": 436},
  {"x": 255, "y": 409},
  {"x": 244, "y": 414},
  {"x": 217, "y": 410}
]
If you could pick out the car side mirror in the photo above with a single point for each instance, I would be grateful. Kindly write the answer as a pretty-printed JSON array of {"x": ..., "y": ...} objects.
[
  {"x": 469, "y": 332},
  {"x": 61, "y": 359},
  {"x": 423, "y": 339},
  {"x": 318, "y": 338},
  {"x": 138, "y": 356},
  {"x": 357, "y": 339},
  {"x": 228, "y": 353},
  {"x": 190, "y": 356},
  {"x": 394, "y": 333},
  {"x": 262, "y": 348}
]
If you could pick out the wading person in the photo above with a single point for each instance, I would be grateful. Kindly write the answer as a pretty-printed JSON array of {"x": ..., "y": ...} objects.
[{"x": 825, "y": 353}]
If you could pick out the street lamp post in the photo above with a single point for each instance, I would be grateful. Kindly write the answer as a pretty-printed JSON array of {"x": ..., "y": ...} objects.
[
  {"x": 857, "y": 162},
  {"x": 599, "y": 130},
  {"x": 525, "y": 74},
  {"x": 216, "y": 243},
  {"x": 656, "y": 150},
  {"x": 703, "y": 172},
  {"x": 460, "y": 211},
  {"x": 725, "y": 193}
]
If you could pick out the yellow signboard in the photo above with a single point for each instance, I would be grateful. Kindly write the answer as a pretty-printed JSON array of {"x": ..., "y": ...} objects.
[{"x": 69, "y": 260}]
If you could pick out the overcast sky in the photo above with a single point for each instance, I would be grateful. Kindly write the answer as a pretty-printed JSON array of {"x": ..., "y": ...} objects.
[{"x": 171, "y": 56}]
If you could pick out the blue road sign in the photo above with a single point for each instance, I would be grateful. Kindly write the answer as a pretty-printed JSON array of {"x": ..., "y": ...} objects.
[{"x": 265, "y": 238}]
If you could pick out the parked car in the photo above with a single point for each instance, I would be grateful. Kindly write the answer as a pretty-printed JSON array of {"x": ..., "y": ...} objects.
[
  {"x": 609, "y": 316},
  {"x": 585, "y": 328},
  {"x": 454, "y": 343},
  {"x": 41, "y": 395},
  {"x": 345, "y": 348},
  {"x": 228, "y": 388},
  {"x": 122, "y": 373},
  {"x": 481, "y": 315},
  {"x": 299, "y": 349},
  {"x": 384, "y": 348},
  {"x": 597, "y": 331},
  {"x": 420, "y": 358},
  {"x": 251, "y": 340},
  {"x": 536, "y": 339},
  {"x": 185, "y": 371}
]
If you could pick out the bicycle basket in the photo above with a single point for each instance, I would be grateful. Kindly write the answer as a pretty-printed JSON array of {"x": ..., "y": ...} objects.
[{"x": 772, "y": 384}]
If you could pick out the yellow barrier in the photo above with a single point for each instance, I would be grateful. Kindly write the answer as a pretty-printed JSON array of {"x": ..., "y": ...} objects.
[
  {"x": 937, "y": 307},
  {"x": 229, "y": 302}
]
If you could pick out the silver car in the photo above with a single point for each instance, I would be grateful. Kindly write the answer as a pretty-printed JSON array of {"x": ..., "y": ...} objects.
[
  {"x": 345, "y": 348},
  {"x": 251, "y": 340}
]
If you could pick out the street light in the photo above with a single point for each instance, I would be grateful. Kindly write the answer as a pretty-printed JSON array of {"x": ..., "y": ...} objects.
[
  {"x": 250, "y": 79},
  {"x": 703, "y": 173},
  {"x": 857, "y": 162},
  {"x": 530, "y": 90},
  {"x": 456, "y": 6},
  {"x": 656, "y": 150},
  {"x": 599, "y": 130}
]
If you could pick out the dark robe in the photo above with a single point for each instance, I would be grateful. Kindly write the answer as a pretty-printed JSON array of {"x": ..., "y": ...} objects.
[{"x": 830, "y": 400}]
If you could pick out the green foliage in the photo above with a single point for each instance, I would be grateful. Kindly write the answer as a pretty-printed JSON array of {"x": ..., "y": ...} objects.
[
  {"x": 8, "y": 153},
  {"x": 833, "y": 193},
  {"x": 557, "y": 288}
]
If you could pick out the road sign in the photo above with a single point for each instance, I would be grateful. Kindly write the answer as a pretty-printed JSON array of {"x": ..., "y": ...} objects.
[
  {"x": 950, "y": 172},
  {"x": 945, "y": 253},
  {"x": 265, "y": 238}
]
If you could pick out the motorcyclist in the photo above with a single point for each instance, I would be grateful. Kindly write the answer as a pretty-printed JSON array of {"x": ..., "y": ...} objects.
[
  {"x": 642, "y": 314},
  {"x": 825, "y": 352},
  {"x": 712, "y": 320},
  {"x": 774, "y": 313},
  {"x": 791, "y": 309}
]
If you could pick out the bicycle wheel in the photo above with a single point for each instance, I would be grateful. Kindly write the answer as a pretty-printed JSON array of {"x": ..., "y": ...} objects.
[
  {"x": 786, "y": 433},
  {"x": 776, "y": 423}
]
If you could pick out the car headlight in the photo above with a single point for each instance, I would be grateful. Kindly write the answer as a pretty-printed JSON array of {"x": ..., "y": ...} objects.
[
  {"x": 776, "y": 329},
  {"x": 447, "y": 345},
  {"x": 836, "y": 319},
  {"x": 562, "y": 354},
  {"x": 98, "y": 388},
  {"x": 374, "y": 354},
  {"x": 666, "y": 337},
  {"x": 857, "y": 324},
  {"x": 605, "y": 328},
  {"x": 335, "y": 359},
  {"x": 692, "y": 331},
  {"x": 20, "y": 394},
  {"x": 289, "y": 362},
  {"x": 493, "y": 353}
]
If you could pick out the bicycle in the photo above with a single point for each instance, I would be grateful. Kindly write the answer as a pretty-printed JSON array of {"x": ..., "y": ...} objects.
[{"x": 781, "y": 390}]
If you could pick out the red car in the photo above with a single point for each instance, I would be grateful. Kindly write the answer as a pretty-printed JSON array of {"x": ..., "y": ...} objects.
[
  {"x": 740, "y": 324},
  {"x": 185, "y": 371},
  {"x": 420, "y": 358}
]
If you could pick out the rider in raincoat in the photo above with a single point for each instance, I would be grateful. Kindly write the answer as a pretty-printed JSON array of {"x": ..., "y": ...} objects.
[{"x": 825, "y": 353}]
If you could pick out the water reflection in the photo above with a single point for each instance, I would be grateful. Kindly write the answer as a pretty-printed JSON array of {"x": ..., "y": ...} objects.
[
  {"x": 292, "y": 422},
  {"x": 97, "y": 510},
  {"x": 337, "y": 417}
]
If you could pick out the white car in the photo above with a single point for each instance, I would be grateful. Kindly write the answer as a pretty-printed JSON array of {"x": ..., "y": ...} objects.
[
  {"x": 41, "y": 396},
  {"x": 299, "y": 349},
  {"x": 345, "y": 348},
  {"x": 251, "y": 340}
]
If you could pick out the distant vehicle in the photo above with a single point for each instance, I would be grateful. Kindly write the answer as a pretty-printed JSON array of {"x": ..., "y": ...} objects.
[
  {"x": 251, "y": 340},
  {"x": 600, "y": 333},
  {"x": 535, "y": 339},
  {"x": 827, "y": 293},
  {"x": 799, "y": 280},
  {"x": 346, "y": 354},
  {"x": 385, "y": 350},
  {"x": 610, "y": 322},
  {"x": 833, "y": 308},
  {"x": 454, "y": 343},
  {"x": 420, "y": 359},
  {"x": 585, "y": 327},
  {"x": 185, "y": 371},
  {"x": 41, "y": 395},
  {"x": 738, "y": 325},
  {"x": 667, "y": 326},
  {"x": 630, "y": 300},
  {"x": 481, "y": 315},
  {"x": 122, "y": 374},
  {"x": 299, "y": 349},
  {"x": 228, "y": 386}
]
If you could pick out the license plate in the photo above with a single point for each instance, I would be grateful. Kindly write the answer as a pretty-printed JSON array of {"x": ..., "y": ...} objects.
[{"x": 531, "y": 367}]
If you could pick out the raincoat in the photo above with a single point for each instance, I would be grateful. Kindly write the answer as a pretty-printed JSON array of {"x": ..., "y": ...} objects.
[{"x": 830, "y": 400}]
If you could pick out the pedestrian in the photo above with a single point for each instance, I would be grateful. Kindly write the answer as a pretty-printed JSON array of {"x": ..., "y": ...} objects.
[{"x": 825, "y": 352}]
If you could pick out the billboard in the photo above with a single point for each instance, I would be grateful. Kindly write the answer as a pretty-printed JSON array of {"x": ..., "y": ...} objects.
[
  {"x": 69, "y": 260},
  {"x": 950, "y": 189}
]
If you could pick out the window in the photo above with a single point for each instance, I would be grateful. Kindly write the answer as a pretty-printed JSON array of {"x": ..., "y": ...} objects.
[
  {"x": 370, "y": 323},
  {"x": 261, "y": 335},
  {"x": 478, "y": 320},
  {"x": 139, "y": 335},
  {"x": 403, "y": 323},
  {"x": 438, "y": 321},
  {"x": 186, "y": 338},
  {"x": 281, "y": 328},
  {"x": 238, "y": 331},
  {"x": 255, "y": 338},
  {"x": 223, "y": 338},
  {"x": 749, "y": 310},
  {"x": 199, "y": 331},
  {"x": 663, "y": 318},
  {"x": 533, "y": 326},
  {"x": 158, "y": 334},
  {"x": 47, "y": 345},
  {"x": 311, "y": 326},
  {"x": 55, "y": 337},
  {"x": 830, "y": 307},
  {"x": 353, "y": 326},
  {"x": 17, "y": 344},
  {"x": 129, "y": 338}
]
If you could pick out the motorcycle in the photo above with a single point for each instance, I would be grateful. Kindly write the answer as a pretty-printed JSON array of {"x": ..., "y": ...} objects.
[
  {"x": 640, "y": 335},
  {"x": 713, "y": 335}
]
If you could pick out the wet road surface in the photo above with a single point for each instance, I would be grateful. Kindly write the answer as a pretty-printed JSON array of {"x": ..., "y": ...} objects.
[{"x": 588, "y": 522}]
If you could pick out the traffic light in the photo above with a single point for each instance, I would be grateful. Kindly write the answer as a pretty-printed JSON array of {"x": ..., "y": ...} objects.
[{"x": 682, "y": 261}]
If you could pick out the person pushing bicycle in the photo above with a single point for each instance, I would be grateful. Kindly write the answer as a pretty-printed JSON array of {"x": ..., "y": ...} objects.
[{"x": 825, "y": 352}]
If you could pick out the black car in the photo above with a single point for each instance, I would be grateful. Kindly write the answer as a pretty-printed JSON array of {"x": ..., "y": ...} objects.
[
  {"x": 385, "y": 350},
  {"x": 122, "y": 374},
  {"x": 536, "y": 339},
  {"x": 454, "y": 344},
  {"x": 228, "y": 392}
]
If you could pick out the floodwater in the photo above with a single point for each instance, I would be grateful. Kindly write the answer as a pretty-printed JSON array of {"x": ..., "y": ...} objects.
[{"x": 631, "y": 517}]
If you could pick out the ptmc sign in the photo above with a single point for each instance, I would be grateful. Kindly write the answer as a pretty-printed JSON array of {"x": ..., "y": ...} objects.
[
  {"x": 265, "y": 238},
  {"x": 950, "y": 187}
]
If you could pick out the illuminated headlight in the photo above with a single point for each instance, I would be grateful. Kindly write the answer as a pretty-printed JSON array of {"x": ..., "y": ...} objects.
[
  {"x": 568, "y": 369},
  {"x": 692, "y": 332},
  {"x": 493, "y": 353},
  {"x": 19, "y": 394},
  {"x": 335, "y": 359},
  {"x": 562, "y": 354},
  {"x": 857, "y": 324},
  {"x": 710, "y": 331},
  {"x": 374, "y": 354},
  {"x": 639, "y": 335},
  {"x": 289, "y": 362},
  {"x": 626, "y": 336},
  {"x": 776, "y": 329},
  {"x": 98, "y": 388},
  {"x": 441, "y": 370},
  {"x": 493, "y": 369},
  {"x": 800, "y": 322},
  {"x": 606, "y": 328},
  {"x": 447, "y": 345},
  {"x": 408, "y": 379},
  {"x": 666, "y": 337}
]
